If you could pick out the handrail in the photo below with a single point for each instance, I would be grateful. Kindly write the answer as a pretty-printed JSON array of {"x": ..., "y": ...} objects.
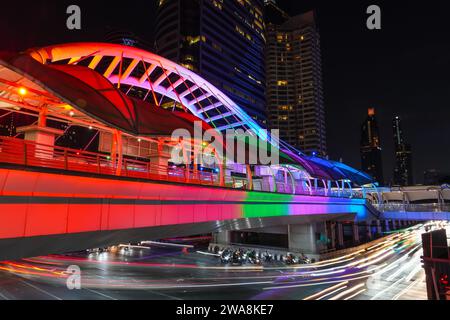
[{"x": 29, "y": 153}]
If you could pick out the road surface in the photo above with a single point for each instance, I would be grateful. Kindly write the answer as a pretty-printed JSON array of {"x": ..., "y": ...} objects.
[{"x": 389, "y": 270}]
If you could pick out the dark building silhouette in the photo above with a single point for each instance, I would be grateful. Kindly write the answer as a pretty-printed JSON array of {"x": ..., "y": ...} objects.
[
  {"x": 223, "y": 41},
  {"x": 403, "y": 174},
  {"x": 295, "y": 101},
  {"x": 433, "y": 177},
  {"x": 371, "y": 159}
]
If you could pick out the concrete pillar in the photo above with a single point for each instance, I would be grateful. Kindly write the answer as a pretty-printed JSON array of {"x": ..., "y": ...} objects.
[
  {"x": 386, "y": 224},
  {"x": 379, "y": 229},
  {"x": 160, "y": 161},
  {"x": 223, "y": 237},
  {"x": 369, "y": 229},
  {"x": 355, "y": 233},
  {"x": 394, "y": 225},
  {"x": 302, "y": 237},
  {"x": 332, "y": 235},
  {"x": 340, "y": 234},
  {"x": 249, "y": 177}
]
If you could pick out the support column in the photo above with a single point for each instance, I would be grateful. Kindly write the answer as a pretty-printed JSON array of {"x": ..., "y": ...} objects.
[
  {"x": 394, "y": 225},
  {"x": 355, "y": 233},
  {"x": 386, "y": 223},
  {"x": 249, "y": 177},
  {"x": 340, "y": 234},
  {"x": 330, "y": 235},
  {"x": 369, "y": 230},
  {"x": 302, "y": 237},
  {"x": 118, "y": 137},
  {"x": 379, "y": 229},
  {"x": 223, "y": 237},
  {"x": 160, "y": 161}
]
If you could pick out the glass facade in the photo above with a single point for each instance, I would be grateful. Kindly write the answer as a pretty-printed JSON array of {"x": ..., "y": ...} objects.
[
  {"x": 294, "y": 80},
  {"x": 371, "y": 160},
  {"x": 223, "y": 41}
]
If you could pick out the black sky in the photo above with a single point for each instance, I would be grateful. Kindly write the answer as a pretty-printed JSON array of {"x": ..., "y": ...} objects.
[{"x": 403, "y": 69}]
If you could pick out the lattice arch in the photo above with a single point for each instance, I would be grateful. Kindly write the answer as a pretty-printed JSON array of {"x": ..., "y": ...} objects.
[{"x": 158, "y": 79}]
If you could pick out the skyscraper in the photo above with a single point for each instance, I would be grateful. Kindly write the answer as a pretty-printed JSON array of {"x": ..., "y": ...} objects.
[
  {"x": 223, "y": 41},
  {"x": 371, "y": 160},
  {"x": 294, "y": 79},
  {"x": 403, "y": 174}
]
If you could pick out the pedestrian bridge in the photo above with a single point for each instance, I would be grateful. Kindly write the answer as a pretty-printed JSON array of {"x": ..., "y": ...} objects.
[
  {"x": 419, "y": 203},
  {"x": 48, "y": 211},
  {"x": 121, "y": 185}
]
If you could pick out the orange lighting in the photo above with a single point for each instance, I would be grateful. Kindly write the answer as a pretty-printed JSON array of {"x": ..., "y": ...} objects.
[
  {"x": 23, "y": 91},
  {"x": 371, "y": 112}
]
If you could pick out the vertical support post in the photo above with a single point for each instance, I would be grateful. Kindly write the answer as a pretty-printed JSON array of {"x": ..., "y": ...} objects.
[
  {"x": 340, "y": 234},
  {"x": 114, "y": 151},
  {"x": 118, "y": 138},
  {"x": 369, "y": 229},
  {"x": 42, "y": 120},
  {"x": 379, "y": 230},
  {"x": 249, "y": 177},
  {"x": 220, "y": 165},
  {"x": 355, "y": 233}
]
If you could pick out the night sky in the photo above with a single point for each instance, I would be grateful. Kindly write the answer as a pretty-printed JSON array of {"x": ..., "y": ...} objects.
[{"x": 403, "y": 69}]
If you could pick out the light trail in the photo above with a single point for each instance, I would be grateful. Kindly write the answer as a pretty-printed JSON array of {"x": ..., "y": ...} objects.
[
  {"x": 343, "y": 294},
  {"x": 379, "y": 294},
  {"x": 356, "y": 294},
  {"x": 326, "y": 290},
  {"x": 407, "y": 288}
]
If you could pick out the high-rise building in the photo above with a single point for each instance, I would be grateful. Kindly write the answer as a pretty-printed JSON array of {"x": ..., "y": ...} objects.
[
  {"x": 223, "y": 41},
  {"x": 295, "y": 101},
  {"x": 403, "y": 174},
  {"x": 433, "y": 177},
  {"x": 371, "y": 160}
]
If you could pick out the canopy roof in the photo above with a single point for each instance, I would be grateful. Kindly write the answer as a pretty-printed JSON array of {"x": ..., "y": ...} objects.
[{"x": 91, "y": 93}]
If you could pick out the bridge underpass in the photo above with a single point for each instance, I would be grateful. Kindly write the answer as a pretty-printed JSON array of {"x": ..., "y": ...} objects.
[{"x": 46, "y": 212}]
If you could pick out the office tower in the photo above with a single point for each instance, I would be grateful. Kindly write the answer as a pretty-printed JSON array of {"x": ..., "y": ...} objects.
[
  {"x": 223, "y": 41},
  {"x": 403, "y": 174},
  {"x": 371, "y": 161},
  {"x": 294, "y": 79}
]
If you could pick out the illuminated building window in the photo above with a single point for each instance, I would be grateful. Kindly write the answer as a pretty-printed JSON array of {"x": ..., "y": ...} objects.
[
  {"x": 189, "y": 58},
  {"x": 285, "y": 108},
  {"x": 282, "y": 83},
  {"x": 188, "y": 66},
  {"x": 217, "y": 5},
  {"x": 194, "y": 40}
]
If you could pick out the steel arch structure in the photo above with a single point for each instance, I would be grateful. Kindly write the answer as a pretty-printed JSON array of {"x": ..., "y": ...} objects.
[
  {"x": 156, "y": 79},
  {"x": 159, "y": 77}
]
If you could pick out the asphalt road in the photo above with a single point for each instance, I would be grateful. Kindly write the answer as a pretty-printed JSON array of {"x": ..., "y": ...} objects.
[{"x": 389, "y": 270}]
